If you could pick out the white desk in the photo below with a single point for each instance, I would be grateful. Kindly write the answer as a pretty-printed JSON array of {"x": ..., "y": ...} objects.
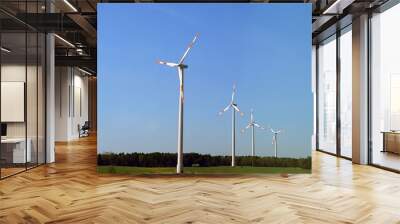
[{"x": 19, "y": 153}]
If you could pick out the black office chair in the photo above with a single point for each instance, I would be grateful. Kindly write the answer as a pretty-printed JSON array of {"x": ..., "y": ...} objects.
[{"x": 84, "y": 130}]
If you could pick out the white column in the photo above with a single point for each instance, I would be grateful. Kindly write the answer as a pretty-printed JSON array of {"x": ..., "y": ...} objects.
[
  {"x": 50, "y": 99},
  {"x": 360, "y": 90},
  {"x": 50, "y": 92}
]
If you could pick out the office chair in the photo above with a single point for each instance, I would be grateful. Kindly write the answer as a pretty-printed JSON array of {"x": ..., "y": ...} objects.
[{"x": 84, "y": 130}]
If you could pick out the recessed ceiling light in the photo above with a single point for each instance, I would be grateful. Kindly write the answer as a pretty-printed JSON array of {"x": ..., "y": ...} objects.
[
  {"x": 5, "y": 50},
  {"x": 64, "y": 40},
  {"x": 338, "y": 6},
  {"x": 84, "y": 71},
  {"x": 70, "y": 5}
]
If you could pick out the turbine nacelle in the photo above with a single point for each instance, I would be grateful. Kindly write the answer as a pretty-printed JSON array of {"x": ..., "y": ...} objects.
[
  {"x": 171, "y": 64},
  {"x": 232, "y": 104},
  {"x": 252, "y": 123},
  {"x": 180, "y": 63},
  {"x": 276, "y": 131}
]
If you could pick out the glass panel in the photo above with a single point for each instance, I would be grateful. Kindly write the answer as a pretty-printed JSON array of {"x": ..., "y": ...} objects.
[
  {"x": 31, "y": 100},
  {"x": 31, "y": 88},
  {"x": 14, "y": 153},
  {"x": 22, "y": 90},
  {"x": 386, "y": 89},
  {"x": 41, "y": 99},
  {"x": 327, "y": 95},
  {"x": 346, "y": 92}
]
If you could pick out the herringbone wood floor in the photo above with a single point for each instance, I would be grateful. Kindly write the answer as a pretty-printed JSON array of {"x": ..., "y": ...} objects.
[{"x": 70, "y": 191}]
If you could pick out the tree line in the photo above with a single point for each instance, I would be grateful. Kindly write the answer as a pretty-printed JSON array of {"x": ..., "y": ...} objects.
[{"x": 161, "y": 159}]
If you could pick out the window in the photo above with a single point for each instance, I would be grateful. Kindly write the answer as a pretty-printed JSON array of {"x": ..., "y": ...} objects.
[
  {"x": 385, "y": 88},
  {"x": 327, "y": 95},
  {"x": 346, "y": 92}
]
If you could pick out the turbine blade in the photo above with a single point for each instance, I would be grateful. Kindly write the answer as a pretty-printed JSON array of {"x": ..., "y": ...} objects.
[
  {"x": 235, "y": 107},
  {"x": 170, "y": 64},
  {"x": 249, "y": 125},
  {"x": 258, "y": 126},
  {"x": 233, "y": 92},
  {"x": 225, "y": 109},
  {"x": 188, "y": 49}
]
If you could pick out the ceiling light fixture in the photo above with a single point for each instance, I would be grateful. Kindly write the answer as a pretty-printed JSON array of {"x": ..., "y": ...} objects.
[
  {"x": 70, "y": 5},
  {"x": 5, "y": 50},
  {"x": 84, "y": 71},
  {"x": 337, "y": 7},
  {"x": 64, "y": 40}
]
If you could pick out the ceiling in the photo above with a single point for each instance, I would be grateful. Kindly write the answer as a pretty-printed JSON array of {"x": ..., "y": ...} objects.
[{"x": 75, "y": 21}]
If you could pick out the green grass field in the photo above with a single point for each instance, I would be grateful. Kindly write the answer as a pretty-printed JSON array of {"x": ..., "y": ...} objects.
[{"x": 201, "y": 170}]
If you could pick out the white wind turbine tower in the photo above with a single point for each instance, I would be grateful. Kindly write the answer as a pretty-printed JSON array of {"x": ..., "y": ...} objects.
[
  {"x": 180, "y": 66},
  {"x": 275, "y": 140},
  {"x": 234, "y": 107},
  {"x": 252, "y": 123}
]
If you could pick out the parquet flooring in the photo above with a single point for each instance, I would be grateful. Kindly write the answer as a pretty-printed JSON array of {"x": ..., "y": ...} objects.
[{"x": 70, "y": 191}]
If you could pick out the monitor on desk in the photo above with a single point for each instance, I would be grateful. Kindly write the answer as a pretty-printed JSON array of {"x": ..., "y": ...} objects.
[{"x": 3, "y": 130}]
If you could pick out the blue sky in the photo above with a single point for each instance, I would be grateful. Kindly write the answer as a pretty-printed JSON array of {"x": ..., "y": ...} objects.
[{"x": 264, "y": 48}]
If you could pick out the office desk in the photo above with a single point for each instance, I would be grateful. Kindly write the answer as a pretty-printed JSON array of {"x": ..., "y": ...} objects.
[
  {"x": 13, "y": 150},
  {"x": 391, "y": 141}
]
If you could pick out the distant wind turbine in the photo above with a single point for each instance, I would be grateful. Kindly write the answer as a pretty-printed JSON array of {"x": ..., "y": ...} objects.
[
  {"x": 275, "y": 139},
  {"x": 234, "y": 107},
  {"x": 252, "y": 123},
  {"x": 180, "y": 66}
]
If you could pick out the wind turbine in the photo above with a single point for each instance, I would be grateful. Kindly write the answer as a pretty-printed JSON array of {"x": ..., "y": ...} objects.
[
  {"x": 275, "y": 140},
  {"x": 252, "y": 123},
  {"x": 234, "y": 107},
  {"x": 181, "y": 67}
]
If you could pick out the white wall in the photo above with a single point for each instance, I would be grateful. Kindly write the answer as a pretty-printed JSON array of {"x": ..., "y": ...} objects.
[
  {"x": 33, "y": 127},
  {"x": 79, "y": 117},
  {"x": 12, "y": 73},
  {"x": 70, "y": 83},
  {"x": 62, "y": 82}
]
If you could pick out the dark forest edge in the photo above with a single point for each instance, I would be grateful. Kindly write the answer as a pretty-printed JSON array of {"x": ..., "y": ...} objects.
[{"x": 158, "y": 159}]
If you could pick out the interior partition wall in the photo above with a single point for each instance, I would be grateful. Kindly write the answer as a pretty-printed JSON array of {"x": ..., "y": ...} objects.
[
  {"x": 22, "y": 89},
  {"x": 334, "y": 94},
  {"x": 385, "y": 89}
]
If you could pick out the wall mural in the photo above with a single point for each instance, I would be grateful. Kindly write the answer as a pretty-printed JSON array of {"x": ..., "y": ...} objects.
[{"x": 204, "y": 88}]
